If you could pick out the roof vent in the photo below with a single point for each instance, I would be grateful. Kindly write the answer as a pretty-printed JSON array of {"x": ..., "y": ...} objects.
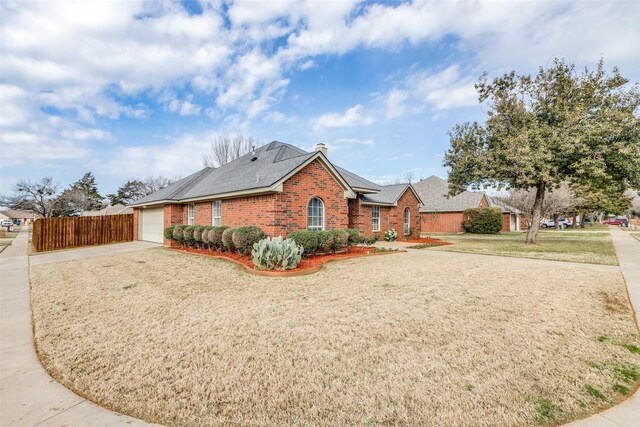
[{"x": 253, "y": 153}]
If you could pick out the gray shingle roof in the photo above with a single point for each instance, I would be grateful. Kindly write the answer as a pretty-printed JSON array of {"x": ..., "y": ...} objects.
[
  {"x": 433, "y": 192},
  {"x": 272, "y": 163},
  {"x": 356, "y": 181},
  {"x": 388, "y": 194}
]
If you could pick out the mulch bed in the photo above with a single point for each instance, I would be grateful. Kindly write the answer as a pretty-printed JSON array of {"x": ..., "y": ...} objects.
[
  {"x": 310, "y": 264},
  {"x": 426, "y": 241}
]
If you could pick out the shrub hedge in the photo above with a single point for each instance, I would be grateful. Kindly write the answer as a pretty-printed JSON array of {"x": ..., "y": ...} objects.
[
  {"x": 215, "y": 237},
  {"x": 315, "y": 242},
  {"x": 197, "y": 234},
  {"x": 187, "y": 235},
  {"x": 482, "y": 220},
  {"x": 168, "y": 233},
  {"x": 244, "y": 237},
  {"x": 307, "y": 239},
  {"x": 178, "y": 233},
  {"x": 227, "y": 239},
  {"x": 205, "y": 236}
]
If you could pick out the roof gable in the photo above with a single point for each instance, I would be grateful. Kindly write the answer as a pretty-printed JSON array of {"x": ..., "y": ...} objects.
[
  {"x": 434, "y": 194},
  {"x": 390, "y": 194}
]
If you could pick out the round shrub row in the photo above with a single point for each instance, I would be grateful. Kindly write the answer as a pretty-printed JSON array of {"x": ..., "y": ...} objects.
[
  {"x": 244, "y": 237},
  {"x": 316, "y": 242},
  {"x": 227, "y": 240},
  {"x": 215, "y": 237},
  {"x": 482, "y": 220}
]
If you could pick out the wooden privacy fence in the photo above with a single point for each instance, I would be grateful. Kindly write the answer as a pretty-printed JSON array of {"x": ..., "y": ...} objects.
[{"x": 60, "y": 233}]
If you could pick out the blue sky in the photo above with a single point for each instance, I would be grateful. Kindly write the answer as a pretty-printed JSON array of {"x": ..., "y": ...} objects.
[{"x": 130, "y": 89}]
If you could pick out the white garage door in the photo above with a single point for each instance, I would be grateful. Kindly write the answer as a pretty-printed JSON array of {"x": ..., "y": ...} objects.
[{"x": 152, "y": 225}]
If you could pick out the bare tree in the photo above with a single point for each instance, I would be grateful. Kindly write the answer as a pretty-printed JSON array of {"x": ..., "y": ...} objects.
[
  {"x": 559, "y": 201},
  {"x": 431, "y": 218},
  {"x": 409, "y": 175},
  {"x": 38, "y": 197},
  {"x": 227, "y": 148}
]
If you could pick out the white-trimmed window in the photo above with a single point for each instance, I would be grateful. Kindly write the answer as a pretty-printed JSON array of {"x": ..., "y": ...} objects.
[
  {"x": 191, "y": 214},
  {"x": 217, "y": 213},
  {"x": 315, "y": 214},
  {"x": 375, "y": 218},
  {"x": 407, "y": 221}
]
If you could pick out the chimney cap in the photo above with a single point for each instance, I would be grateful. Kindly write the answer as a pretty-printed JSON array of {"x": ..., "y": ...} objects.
[{"x": 322, "y": 147}]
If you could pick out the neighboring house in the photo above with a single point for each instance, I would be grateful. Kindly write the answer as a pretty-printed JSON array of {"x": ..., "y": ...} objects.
[
  {"x": 442, "y": 214},
  {"x": 109, "y": 210},
  {"x": 23, "y": 217},
  {"x": 512, "y": 220},
  {"x": 279, "y": 188}
]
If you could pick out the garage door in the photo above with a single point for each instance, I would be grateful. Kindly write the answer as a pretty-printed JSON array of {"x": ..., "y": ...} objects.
[{"x": 152, "y": 225}]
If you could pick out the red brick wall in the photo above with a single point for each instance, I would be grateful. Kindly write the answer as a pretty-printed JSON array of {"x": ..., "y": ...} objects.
[
  {"x": 173, "y": 215},
  {"x": 390, "y": 216},
  {"x": 396, "y": 215},
  {"x": 254, "y": 210},
  {"x": 291, "y": 206},
  {"x": 443, "y": 222},
  {"x": 203, "y": 213},
  {"x": 506, "y": 221}
]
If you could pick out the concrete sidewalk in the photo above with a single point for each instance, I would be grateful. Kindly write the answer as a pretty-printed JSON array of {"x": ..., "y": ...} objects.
[
  {"x": 626, "y": 414},
  {"x": 28, "y": 395}
]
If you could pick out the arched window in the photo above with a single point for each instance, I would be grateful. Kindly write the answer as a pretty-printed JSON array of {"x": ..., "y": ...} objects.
[
  {"x": 407, "y": 221},
  {"x": 316, "y": 214}
]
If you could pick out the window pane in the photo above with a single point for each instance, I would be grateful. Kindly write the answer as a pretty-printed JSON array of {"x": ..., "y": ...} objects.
[
  {"x": 375, "y": 218},
  {"x": 315, "y": 214},
  {"x": 217, "y": 213}
]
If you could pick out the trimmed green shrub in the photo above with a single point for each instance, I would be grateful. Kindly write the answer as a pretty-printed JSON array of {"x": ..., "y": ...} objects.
[
  {"x": 168, "y": 233},
  {"x": 275, "y": 253},
  {"x": 244, "y": 237},
  {"x": 227, "y": 240},
  {"x": 338, "y": 241},
  {"x": 482, "y": 220},
  {"x": 215, "y": 237},
  {"x": 205, "y": 236},
  {"x": 324, "y": 241},
  {"x": 187, "y": 235},
  {"x": 355, "y": 237},
  {"x": 197, "y": 234},
  {"x": 307, "y": 239},
  {"x": 178, "y": 233}
]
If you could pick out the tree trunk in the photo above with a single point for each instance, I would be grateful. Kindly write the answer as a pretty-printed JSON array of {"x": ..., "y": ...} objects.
[
  {"x": 532, "y": 234},
  {"x": 583, "y": 218},
  {"x": 575, "y": 219},
  {"x": 555, "y": 221}
]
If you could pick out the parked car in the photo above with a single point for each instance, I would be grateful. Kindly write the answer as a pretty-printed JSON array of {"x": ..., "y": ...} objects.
[
  {"x": 7, "y": 223},
  {"x": 617, "y": 221},
  {"x": 562, "y": 222}
]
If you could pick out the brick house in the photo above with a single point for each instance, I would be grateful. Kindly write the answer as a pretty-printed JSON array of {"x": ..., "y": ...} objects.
[
  {"x": 442, "y": 214},
  {"x": 279, "y": 188}
]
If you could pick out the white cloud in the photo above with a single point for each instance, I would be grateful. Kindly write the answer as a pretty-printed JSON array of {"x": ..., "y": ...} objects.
[
  {"x": 437, "y": 90},
  {"x": 354, "y": 116},
  {"x": 307, "y": 65}
]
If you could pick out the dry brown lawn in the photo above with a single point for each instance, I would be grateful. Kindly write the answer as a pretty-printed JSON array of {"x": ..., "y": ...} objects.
[{"x": 417, "y": 338}]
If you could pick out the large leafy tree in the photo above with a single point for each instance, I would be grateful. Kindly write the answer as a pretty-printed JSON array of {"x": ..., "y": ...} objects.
[
  {"x": 540, "y": 131},
  {"x": 135, "y": 189}
]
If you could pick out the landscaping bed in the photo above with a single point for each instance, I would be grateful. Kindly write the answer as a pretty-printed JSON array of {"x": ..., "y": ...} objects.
[
  {"x": 426, "y": 242},
  {"x": 186, "y": 340},
  {"x": 306, "y": 265}
]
